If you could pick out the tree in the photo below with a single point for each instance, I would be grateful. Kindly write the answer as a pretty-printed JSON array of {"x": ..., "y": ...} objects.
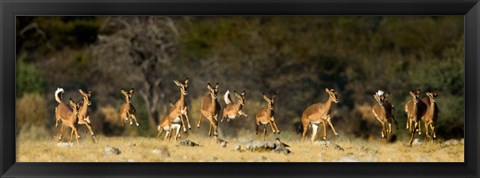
[{"x": 138, "y": 52}]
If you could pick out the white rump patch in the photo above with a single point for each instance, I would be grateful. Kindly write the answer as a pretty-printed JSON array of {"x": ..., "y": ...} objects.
[
  {"x": 315, "y": 122},
  {"x": 177, "y": 119},
  {"x": 380, "y": 93}
]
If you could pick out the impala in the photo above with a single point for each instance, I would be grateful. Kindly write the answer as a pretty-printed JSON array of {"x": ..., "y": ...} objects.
[
  {"x": 66, "y": 114},
  {"x": 431, "y": 114},
  {"x": 127, "y": 111},
  {"x": 266, "y": 116},
  {"x": 319, "y": 113},
  {"x": 232, "y": 110},
  {"x": 173, "y": 119},
  {"x": 415, "y": 110},
  {"x": 83, "y": 115},
  {"x": 210, "y": 109},
  {"x": 384, "y": 112}
]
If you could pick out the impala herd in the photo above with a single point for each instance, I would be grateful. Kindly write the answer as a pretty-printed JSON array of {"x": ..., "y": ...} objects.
[{"x": 417, "y": 109}]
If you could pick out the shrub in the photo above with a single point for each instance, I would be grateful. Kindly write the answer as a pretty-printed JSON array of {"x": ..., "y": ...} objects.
[{"x": 31, "y": 114}]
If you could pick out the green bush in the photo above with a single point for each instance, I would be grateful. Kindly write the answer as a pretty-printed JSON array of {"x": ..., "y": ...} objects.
[{"x": 28, "y": 79}]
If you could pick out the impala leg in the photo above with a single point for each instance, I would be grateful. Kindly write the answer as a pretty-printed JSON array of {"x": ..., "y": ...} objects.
[
  {"x": 273, "y": 127},
  {"x": 188, "y": 119},
  {"x": 89, "y": 127},
  {"x": 389, "y": 127},
  {"x": 426, "y": 129},
  {"x": 324, "y": 130},
  {"x": 433, "y": 131},
  {"x": 383, "y": 130},
  {"x": 223, "y": 115},
  {"x": 183, "y": 123},
  {"x": 76, "y": 134},
  {"x": 210, "y": 130},
  {"x": 71, "y": 135},
  {"x": 134, "y": 118},
  {"x": 241, "y": 113},
  {"x": 166, "y": 134},
  {"x": 213, "y": 126},
  {"x": 177, "y": 134},
  {"x": 276, "y": 128},
  {"x": 314, "y": 131},
  {"x": 199, "y": 120},
  {"x": 61, "y": 133},
  {"x": 159, "y": 132},
  {"x": 264, "y": 132},
  {"x": 256, "y": 128},
  {"x": 411, "y": 138},
  {"x": 333, "y": 128},
  {"x": 305, "y": 129},
  {"x": 417, "y": 127}
]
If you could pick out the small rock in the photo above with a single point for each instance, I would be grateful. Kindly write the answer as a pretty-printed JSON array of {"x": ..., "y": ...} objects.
[
  {"x": 282, "y": 150},
  {"x": 112, "y": 150},
  {"x": 451, "y": 142},
  {"x": 416, "y": 142},
  {"x": 238, "y": 148},
  {"x": 322, "y": 142},
  {"x": 223, "y": 144},
  {"x": 188, "y": 143},
  {"x": 64, "y": 144},
  {"x": 347, "y": 159},
  {"x": 162, "y": 152},
  {"x": 338, "y": 147},
  {"x": 215, "y": 158}
]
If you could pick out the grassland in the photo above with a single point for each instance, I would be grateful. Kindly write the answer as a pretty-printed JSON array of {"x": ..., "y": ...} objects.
[{"x": 145, "y": 149}]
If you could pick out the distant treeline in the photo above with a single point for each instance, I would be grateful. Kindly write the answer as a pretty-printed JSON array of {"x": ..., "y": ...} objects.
[{"x": 294, "y": 57}]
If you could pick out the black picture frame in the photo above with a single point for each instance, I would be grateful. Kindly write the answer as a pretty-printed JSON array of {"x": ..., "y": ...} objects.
[{"x": 470, "y": 9}]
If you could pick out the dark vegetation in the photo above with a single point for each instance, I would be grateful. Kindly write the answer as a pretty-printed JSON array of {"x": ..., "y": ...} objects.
[{"x": 294, "y": 57}]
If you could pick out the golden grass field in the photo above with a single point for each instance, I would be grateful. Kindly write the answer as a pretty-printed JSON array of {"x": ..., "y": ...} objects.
[{"x": 149, "y": 149}]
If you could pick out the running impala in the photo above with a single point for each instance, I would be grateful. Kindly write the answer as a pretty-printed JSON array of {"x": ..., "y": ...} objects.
[
  {"x": 266, "y": 116},
  {"x": 210, "y": 109},
  {"x": 233, "y": 110},
  {"x": 319, "y": 113}
]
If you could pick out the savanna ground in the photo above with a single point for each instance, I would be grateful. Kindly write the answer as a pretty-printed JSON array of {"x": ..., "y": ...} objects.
[{"x": 149, "y": 149}]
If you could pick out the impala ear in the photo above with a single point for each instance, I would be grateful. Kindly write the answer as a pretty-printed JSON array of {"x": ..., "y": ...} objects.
[
  {"x": 327, "y": 90},
  {"x": 209, "y": 86},
  {"x": 81, "y": 91},
  {"x": 387, "y": 94},
  {"x": 123, "y": 90},
  {"x": 266, "y": 98},
  {"x": 243, "y": 93},
  {"x": 177, "y": 82},
  {"x": 186, "y": 81},
  {"x": 217, "y": 86},
  {"x": 131, "y": 91},
  {"x": 236, "y": 94},
  {"x": 90, "y": 93}
]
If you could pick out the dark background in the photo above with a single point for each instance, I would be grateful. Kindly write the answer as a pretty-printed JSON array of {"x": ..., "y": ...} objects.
[{"x": 295, "y": 57}]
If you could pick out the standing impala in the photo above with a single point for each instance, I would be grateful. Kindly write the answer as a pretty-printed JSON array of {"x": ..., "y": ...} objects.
[
  {"x": 66, "y": 114},
  {"x": 83, "y": 115},
  {"x": 127, "y": 111},
  {"x": 431, "y": 114},
  {"x": 319, "y": 113},
  {"x": 384, "y": 112},
  {"x": 173, "y": 119},
  {"x": 210, "y": 109},
  {"x": 415, "y": 110},
  {"x": 266, "y": 116},
  {"x": 232, "y": 110}
]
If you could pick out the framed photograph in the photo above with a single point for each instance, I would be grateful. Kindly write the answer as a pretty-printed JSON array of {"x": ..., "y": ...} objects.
[{"x": 239, "y": 88}]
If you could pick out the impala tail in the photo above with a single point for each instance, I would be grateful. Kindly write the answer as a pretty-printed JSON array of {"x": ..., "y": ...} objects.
[
  {"x": 58, "y": 93},
  {"x": 226, "y": 97}
]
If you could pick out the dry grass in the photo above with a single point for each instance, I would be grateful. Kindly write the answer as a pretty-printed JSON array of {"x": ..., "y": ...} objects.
[{"x": 143, "y": 149}]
